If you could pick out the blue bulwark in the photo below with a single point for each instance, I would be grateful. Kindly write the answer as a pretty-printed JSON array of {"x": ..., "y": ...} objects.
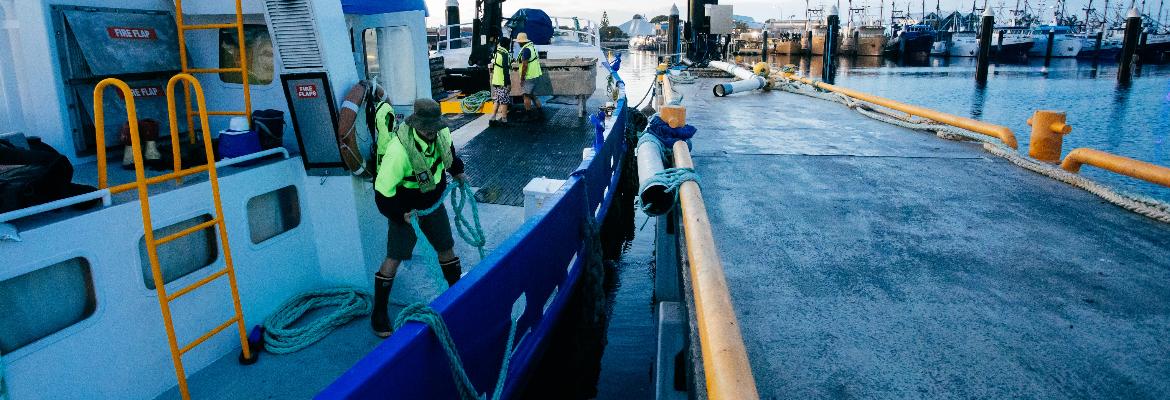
[
  {"x": 534, "y": 261},
  {"x": 367, "y": 7}
]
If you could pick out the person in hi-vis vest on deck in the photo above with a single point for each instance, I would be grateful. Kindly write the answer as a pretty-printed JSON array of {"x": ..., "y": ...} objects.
[
  {"x": 501, "y": 90},
  {"x": 411, "y": 161},
  {"x": 529, "y": 72}
]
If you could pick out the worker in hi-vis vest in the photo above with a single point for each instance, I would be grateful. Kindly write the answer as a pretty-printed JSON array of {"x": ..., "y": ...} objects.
[
  {"x": 529, "y": 73},
  {"x": 410, "y": 165},
  {"x": 501, "y": 90}
]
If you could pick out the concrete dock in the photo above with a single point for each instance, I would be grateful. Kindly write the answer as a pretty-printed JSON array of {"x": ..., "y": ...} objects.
[{"x": 866, "y": 260}]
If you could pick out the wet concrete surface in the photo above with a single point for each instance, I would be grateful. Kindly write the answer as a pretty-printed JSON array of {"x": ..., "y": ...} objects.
[{"x": 870, "y": 261}]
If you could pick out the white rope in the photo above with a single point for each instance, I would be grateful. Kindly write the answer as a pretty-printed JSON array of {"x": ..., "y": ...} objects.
[{"x": 1149, "y": 207}]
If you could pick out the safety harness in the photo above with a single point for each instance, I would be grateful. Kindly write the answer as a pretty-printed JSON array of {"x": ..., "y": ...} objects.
[{"x": 423, "y": 172}]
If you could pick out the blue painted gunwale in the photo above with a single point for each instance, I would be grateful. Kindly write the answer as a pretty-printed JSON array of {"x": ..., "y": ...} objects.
[{"x": 533, "y": 261}]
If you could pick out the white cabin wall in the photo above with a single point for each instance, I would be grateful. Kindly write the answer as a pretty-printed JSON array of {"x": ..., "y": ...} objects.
[
  {"x": 11, "y": 112},
  {"x": 343, "y": 206},
  {"x": 121, "y": 351}
]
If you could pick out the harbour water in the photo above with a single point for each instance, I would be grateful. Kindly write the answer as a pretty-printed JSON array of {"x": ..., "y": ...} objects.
[{"x": 1125, "y": 120}]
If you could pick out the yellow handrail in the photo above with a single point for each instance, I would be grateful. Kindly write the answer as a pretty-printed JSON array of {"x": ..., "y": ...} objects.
[
  {"x": 1145, "y": 171},
  {"x": 142, "y": 183},
  {"x": 725, "y": 362},
  {"x": 1003, "y": 133}
]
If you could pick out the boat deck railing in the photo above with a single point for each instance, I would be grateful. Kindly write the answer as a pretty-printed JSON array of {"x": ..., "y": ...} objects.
[{"x": 581, "y": 30}]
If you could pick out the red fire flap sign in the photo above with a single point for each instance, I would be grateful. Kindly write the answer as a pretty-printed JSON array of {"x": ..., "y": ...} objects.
[
  {"x": 121, "y": 32},
  {"x": 145, "y": 91},
  {"x": 307, "y": 91}
]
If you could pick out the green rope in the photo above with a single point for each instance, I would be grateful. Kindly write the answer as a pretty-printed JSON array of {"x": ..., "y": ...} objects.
[
  {"x": 472, "y": 103},
  {"x": 672, "y": 178},
  {"x": 470, "y": 231},
  {"x": 280, "y": 337},
  {"x": 419, "y": 312}
]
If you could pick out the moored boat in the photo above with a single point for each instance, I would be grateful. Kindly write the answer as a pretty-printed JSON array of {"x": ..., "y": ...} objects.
[{"x": 1065, "y": 44}]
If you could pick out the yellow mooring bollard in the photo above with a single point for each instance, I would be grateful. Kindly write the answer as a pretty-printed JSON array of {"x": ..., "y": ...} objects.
[
  {"x": 1048, "y": 130},
  {"x": 675, "y": 116}
]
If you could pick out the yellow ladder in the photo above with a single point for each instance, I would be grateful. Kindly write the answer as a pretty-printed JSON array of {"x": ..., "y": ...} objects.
[
  {"x": 186, "y": 67},
  {"x": 142, "y": 184}
]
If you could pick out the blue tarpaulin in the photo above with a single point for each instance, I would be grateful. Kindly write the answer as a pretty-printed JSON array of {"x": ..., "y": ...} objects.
[
  {"x": 367, "y": 7},
  {"x": 534, "y": 22}
]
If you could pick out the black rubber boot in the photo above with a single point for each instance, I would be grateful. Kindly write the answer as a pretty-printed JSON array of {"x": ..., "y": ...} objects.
[
  {"x": 380, "y": 319},
  {"x": 451, "y": 271}
]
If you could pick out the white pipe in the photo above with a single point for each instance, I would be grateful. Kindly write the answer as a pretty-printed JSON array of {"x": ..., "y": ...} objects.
[
  {"x": 105, "y": 194},
  {"x": 748, "y": 81}
]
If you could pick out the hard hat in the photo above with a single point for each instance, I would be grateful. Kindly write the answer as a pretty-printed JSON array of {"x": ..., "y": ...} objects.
[{"x": 522, "y": 37}]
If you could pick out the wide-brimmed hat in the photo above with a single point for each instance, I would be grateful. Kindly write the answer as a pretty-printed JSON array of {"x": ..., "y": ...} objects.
[
  {"x": 427, "y": 117},
  {"x": 522, "y": 37}
]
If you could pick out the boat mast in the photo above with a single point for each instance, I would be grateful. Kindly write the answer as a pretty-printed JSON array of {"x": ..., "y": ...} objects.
[
  {"x": 1104, "y": 18},
  {"x": 1088, "y": 9}
]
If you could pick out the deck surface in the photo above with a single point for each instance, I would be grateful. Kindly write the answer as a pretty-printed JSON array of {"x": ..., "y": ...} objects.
[{"x": 870, "y": 261}]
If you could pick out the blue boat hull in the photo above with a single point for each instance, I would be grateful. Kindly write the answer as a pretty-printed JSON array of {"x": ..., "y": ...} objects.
[{"x": 544, "y": 261}]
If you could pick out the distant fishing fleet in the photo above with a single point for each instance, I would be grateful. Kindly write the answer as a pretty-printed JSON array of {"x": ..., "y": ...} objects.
[{"x": 1091, "y": 35}]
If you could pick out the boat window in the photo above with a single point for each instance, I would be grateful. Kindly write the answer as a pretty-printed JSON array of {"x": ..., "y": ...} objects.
[
  {"x": 181, "y": 256},
  {"x": 388, "y": 60},
  {"x": 258, "y": 44},
  {"x": 273, "y": 213},
  {"x": 45, "y": 301}
]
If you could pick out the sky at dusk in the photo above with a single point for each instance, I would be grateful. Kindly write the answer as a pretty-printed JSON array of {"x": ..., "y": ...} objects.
[{"x": 622, "y": 10}]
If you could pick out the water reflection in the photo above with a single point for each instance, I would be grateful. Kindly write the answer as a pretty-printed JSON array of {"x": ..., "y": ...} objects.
[{"x": 978, "y": 97}]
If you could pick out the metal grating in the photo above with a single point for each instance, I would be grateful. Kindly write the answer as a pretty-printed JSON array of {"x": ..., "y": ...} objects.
[{"x": 293, "y": 33}]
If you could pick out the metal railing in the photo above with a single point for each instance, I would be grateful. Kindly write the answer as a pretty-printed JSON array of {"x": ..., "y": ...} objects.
[
  {"x": 1132, "y": 168},
  {"x": 583, "y": 30},
  {"x": 1002, "y": 133}
]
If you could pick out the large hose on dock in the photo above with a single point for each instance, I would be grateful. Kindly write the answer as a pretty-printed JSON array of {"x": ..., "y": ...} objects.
[
  {"x": 1149, "y": 207},
  {"x": 747, "y": 82}
]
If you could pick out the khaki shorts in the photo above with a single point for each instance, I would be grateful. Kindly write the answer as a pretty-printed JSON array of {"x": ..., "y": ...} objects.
[{"x": 400, "y": 238}]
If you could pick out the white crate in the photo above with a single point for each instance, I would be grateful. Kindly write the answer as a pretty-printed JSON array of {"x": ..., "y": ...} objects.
[{"x": 537, "y": 191}]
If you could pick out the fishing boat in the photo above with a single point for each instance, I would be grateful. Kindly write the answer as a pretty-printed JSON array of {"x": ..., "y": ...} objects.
[
  {"x": 964, "y": 44},
  {"x": 911, "y": 40},
  {"x": 171, "y": 274},
  {"x": 1011, "y": 43},
  {"x": 785, "y": 43},
  {"x": 1109, "y": 48},
  {"x": 870, "y": 39},
  {"x": 1155, "y": 47},
  {"x": 1065, "y": 44}
]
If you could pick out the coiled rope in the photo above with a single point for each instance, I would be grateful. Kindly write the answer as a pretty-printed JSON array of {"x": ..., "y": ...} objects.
[
  {"x": 472, "y": 103},
  {"x": 1143, "y": 205},
  {"x": 280, "y": 337}
]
